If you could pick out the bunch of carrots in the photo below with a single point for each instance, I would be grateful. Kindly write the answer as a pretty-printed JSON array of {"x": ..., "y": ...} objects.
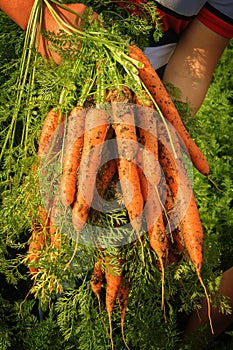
[
  {"x": 151, "y": 138},
  {"x": 173, "y": 222}
]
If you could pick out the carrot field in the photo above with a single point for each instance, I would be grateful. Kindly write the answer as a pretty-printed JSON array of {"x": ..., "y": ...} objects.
[{"x": 100, "y": 277}]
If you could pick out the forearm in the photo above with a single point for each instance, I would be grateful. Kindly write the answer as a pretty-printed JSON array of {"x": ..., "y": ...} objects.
[
  {"x": 192, "y": 65},
  {"x": 18, "y": 10}
]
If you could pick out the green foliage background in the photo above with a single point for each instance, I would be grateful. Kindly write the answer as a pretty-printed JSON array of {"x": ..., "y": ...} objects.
[{"x": 73, "y": 320}]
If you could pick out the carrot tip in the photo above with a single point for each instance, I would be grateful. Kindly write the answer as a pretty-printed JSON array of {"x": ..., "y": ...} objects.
[{"x": 207, "y": 300}]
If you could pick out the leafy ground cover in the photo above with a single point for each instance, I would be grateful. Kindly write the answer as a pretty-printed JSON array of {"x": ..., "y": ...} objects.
[{"x": 33, "y": 313}]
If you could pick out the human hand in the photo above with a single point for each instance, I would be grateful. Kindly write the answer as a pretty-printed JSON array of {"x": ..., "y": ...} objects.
[
  {"x": 19, "y": 11},
  {"x": 49, "y": 24}
]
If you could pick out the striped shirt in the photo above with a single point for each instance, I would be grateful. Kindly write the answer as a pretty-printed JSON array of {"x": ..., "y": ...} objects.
[{"x": 176, "y": 15}]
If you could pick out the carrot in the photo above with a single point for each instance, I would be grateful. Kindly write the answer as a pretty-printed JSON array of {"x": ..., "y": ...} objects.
[
  {"x": 155, "y": 224},
  {"x": 157, "y": 233},
  {"x": 96, "y": 127},
  {"x": 156, "y": 88},
  {"x": 147, "y": 131},
  {"x": 113, "y": 276},
  {"x": 178, "y": 184},
  {"x": 175, "y": 238},
  {"x": 104, "y": 178},
  {"x": 176, "y": 246},
  {"x": 123, "y": 122},
  {"x": 150, "y": 177},
  {"x": 97, "y": 279},
  {"x": 47, "y": 142},
  {"x": 122, "y": 295},
  {"x": 142, "y": 177},
  {"x": 193, "y": 238},
  {"x": 72, "y": 156},
  {"x": 131, "y": 190},
  {"x": 190, "y": 225}
]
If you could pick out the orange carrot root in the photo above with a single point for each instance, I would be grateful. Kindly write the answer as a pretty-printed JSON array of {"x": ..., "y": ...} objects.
[
  {"x": 123, "y": 293},
  {"x": 72, "y": 156},
  {"x": 113, "y": 283},
  {"x": 50, "y": 126},
  {"x": 157, "y": 90},
  {"x": 96, "y": 127},
  {"x": 97, "y": 279}
]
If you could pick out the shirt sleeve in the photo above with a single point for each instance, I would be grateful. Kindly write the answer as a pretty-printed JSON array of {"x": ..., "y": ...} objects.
[{"x": 218, "y": 16}]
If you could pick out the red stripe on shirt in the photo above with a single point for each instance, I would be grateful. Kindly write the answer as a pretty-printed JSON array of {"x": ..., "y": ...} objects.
[
  {"x": 215, "y": 23},
  {"x": 171, "y": 22}
]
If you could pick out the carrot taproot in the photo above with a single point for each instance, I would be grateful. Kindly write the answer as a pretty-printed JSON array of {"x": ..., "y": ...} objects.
[
  {"x": 105, "y": 176},
  {"x": 97, "y": 279},
  {"x": 95, "y": 131},
  {"x": 113, "y": 276},
  {"x": 157, "y": 233},
  {"x": 123, "y": 122},
  {"x": 155, "y": 224},
  {"x": 142, "y": 177},
  {"x": 131, "y": 191},
  {"x": 52, "y": 124},
  {"x": 193, "y": 234},
  {"x": 175, "y": 238},
  {"x": 156, "y": 88},
  {"x": 147, "y": 130},
  {"x": 113, "y": 283},
  {"x": 103, "y": 181},
  {"x": 176, "y": 245},
  {"x": 190, "y": 225},
  {"x": 173, "y": 167},
  {"x": 122, "y": 296},
  {"x": 73, "y": 150}
]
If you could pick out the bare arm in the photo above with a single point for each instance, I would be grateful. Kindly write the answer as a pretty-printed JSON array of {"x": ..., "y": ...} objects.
[{"x": 193, "y": 62}]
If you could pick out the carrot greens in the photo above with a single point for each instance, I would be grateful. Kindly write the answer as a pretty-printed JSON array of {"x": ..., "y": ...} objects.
[{"x": 96, "y": 68}]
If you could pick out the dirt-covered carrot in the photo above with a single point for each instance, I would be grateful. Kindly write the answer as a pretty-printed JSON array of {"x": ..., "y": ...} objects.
[
  {"x": 186, "y": 212},
  {"x": 131, "y": 190},
  {"x": 142, "y": 177},
  {"x": 122, "y": 296},
  {"x": 97, "y": 279},
  {"x": 113, "y": 276},
  {"x": 147, "y": 130},
  {"x": 73, "y": 150},
  {"x": 193, "y": 234},
  {"x": 178, "y": 184},
  {"x": 103, "y": 180},
  {"x": 105, "y": 175},
  {"x": 176, "y": 244},
  {"x": 155, "y": 86},
  {"x": 157, "y": 232},
  {"x": 96, "y": 127},
  {"x": 123, "y": 122},
  {"x": 52, "y": 127}
]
